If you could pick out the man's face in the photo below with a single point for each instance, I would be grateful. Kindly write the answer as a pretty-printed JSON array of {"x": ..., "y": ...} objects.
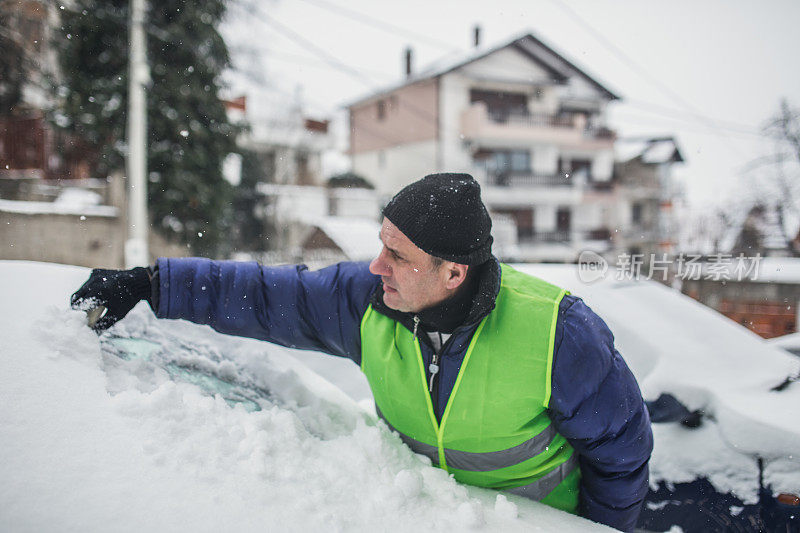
[{"x": 410, "y": 281}]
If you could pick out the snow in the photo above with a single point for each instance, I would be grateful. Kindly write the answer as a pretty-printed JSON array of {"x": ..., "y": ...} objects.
[
  {"x": 659, "y": 152},
  {"x": 92, "y": 442},
  {"x": 77, "y": 197},
  {"x": 674, "y": 344},
  {"x": 750, "y": 268},
  {"x": 779, "y": 270},
  {"x": 57, "y": 208},
  {"x": 652, "y": 151},
  {"x": 787, "y": 342},
  {"x": 355, "y": 236}
]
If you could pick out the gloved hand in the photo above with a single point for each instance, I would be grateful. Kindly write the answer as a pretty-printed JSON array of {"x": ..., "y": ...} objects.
[{"x": 116, "y": 290}]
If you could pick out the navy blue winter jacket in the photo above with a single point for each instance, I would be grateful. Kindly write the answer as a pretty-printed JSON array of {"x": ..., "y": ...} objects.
[{"x": 595, "y": 403}]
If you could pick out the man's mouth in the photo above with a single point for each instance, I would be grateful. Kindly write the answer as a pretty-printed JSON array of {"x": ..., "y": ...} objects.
[{"x": 387, "y": 288}]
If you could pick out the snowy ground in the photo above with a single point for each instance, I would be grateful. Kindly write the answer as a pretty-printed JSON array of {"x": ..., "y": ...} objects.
[{"x": 91, "y": 442}]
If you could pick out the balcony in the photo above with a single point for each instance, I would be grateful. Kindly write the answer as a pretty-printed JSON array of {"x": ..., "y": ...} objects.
[{"x": 478, "y": 124}]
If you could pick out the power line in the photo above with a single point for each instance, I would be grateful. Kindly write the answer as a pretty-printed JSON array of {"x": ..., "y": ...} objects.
[
  {"x": 669, "y": 112},
  {"x": 310, "y": 61},
  {"x": 320, "y": 52},
  {"x": 707, "y": 128},
  {"x": 339, "y": 65},
  {"x": 690, "y": 125},
  {"x": 336, "y": 64},
  {"x": 376, "y": 22},
  {"x": 622, "y": 56}
]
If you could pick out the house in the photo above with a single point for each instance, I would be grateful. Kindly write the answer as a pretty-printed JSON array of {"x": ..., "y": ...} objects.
[
  {"x": 647, "y": 196},
  {"x": 30, "y": 147},
  {"x": 294, "y": 209},
  {"x": 284, "y": 145},
  {"x": 530, "y": 126}
]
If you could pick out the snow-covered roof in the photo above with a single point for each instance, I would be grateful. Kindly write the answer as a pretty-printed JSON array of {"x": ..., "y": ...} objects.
[
  {"x": 559, "y": 67},
  {"x": 649, "y": 151},
  {"x": 57, "y": 208},
  {"x": 778, "y": 270},
  {"x": 768, "y": 224},
  {"x": 356, "y": 237}
]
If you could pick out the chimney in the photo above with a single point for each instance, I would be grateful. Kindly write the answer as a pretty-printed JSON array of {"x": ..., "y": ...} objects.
[
  {"x": 476, "y": 31},
  {"x": 408, "y": 61}
]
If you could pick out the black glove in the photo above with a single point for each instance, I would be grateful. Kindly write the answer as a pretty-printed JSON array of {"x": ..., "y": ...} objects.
[{"x": 116, "y": 290}]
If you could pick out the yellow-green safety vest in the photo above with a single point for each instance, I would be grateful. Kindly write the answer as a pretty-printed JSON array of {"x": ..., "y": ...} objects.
[{"x": 495, "y": 431}]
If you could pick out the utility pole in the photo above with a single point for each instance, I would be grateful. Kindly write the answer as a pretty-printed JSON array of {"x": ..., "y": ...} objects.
[{"x": 136, "y": 253}]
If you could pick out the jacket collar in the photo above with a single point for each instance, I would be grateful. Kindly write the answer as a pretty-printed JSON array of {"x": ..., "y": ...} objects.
[{"x": 481, "y": 302}]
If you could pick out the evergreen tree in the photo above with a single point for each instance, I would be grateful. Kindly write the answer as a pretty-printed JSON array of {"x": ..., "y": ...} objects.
[
  {"x": 188, "y": 131},
  {"x": 13, "y": 72}
]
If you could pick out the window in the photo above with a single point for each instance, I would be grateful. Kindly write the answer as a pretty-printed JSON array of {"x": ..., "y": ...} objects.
[
  {"x": 381, "y": 109},
  {"x": 636, "y": 213},
  {"x": 563, "y": 219},
  {"x": 509, "y": 162}
]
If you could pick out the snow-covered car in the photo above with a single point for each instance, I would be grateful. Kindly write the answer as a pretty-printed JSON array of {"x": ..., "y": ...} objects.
[
  {"x": 169, "y": 426},
  {"x": 723, "y": 402}
]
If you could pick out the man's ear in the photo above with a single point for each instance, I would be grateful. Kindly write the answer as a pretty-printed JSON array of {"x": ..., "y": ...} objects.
[{"x": 456, "y": 274}]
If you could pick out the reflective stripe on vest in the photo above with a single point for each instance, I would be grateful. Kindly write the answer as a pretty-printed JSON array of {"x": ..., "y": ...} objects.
[
  {"x": 543, "y": 486},
  {"x": 495, "y": 431},
  {"x": 480, "y": 462}
]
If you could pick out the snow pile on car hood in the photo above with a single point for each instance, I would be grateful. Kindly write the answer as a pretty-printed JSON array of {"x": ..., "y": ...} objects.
[
  {"x": 675, "y": 344},
  {"x": 92, "y": 442}
]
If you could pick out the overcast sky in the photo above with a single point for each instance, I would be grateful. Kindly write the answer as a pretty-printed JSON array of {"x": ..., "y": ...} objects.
[{"x": 709, "y": 72}]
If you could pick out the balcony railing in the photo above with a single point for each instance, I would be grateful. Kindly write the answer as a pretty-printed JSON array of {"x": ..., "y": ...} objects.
[
  {"x": 528, "y": 179},
  {"x": 574, "y": 121},
  {"x": 541, "y": 237},
  {"x": 598, "y": 234},
  {"x": 531, "y": 119},
  {"x": 529, "y": 236},
  {"x": 477, "y": 121}
]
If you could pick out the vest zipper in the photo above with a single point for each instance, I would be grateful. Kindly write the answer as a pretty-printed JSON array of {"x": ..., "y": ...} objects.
[
  {"x": 434, "y": 384},
  {"x": 433, "y": 368}
]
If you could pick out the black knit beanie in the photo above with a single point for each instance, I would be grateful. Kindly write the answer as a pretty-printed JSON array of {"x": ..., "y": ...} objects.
[{"x": 444, "y": 216}]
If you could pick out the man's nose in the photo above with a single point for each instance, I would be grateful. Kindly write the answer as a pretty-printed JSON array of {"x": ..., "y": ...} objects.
[{"x": 379, "y": 267}]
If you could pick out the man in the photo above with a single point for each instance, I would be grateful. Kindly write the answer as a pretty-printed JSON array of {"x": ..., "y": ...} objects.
[{"x": 500, "y": 378}]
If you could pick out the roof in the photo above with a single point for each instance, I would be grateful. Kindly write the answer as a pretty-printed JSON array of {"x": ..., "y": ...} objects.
[
  {"x": 559, "y": 67},
  {"x": 649, "y": 150},
  {"x": 763, "y": 218},
  {"x": 356, "y": 237}
]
